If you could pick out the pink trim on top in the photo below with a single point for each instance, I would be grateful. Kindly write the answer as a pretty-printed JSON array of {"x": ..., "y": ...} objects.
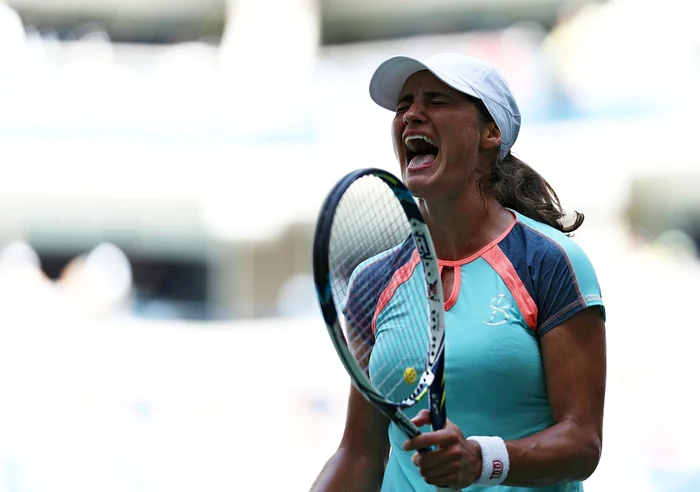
[
  {"x": 400, "y": 276},
  {"x": 482, "y": 251},
  {"x": 500, "y": 262},
  {"x": 457, "y": 264}
]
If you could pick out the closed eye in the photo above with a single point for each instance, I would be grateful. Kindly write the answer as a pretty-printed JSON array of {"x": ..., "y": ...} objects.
[
  {"x": 437, "y": 98},
  {"x": 404, "y": 103}
]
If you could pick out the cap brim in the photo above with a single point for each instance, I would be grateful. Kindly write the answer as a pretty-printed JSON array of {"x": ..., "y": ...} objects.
[{"x": 389, "y": 78}]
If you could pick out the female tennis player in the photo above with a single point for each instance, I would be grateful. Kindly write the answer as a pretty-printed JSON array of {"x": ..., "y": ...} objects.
[{"x": 525, "y": 322}]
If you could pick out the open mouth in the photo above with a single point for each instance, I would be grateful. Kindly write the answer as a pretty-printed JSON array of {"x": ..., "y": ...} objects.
[{"x": 421, "y": 151}]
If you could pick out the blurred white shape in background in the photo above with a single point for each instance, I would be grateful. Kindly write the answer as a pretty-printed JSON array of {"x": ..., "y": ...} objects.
[
  {"x": 25, "y": 291},
  {"x": 92, "y": 53},
  {"x": 98, "y": 284},
  {"x": 268, "y": 52},
  {"x": 624, "y": 52},
  {"x": 19, "y": 254},
  {"x": 12, "y": 39},
  {"x": 108, "y": 270}
]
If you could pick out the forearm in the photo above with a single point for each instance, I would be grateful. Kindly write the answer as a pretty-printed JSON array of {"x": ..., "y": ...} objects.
[
  {"x": 346, "y": 471},
  {"x": 562, "y": 453}
]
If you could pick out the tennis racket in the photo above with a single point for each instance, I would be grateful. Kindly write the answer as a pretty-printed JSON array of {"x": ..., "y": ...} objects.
[{"x": 375, "y": 266}]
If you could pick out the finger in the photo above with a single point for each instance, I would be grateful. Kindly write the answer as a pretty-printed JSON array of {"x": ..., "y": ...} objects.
[
  {"x": 437, "y": 462},
  {"x": 422, "y": 418},
  {"x": 434, "y": 471},
  {"x": 443, "y": 474},
  {"x": 440, "y": 481},
  {"x": 434, "y": 459},
  {"x": 442, "y": 437}
]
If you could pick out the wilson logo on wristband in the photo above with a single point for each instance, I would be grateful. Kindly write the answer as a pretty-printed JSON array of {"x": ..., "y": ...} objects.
[{"x": 497, "y": 469}]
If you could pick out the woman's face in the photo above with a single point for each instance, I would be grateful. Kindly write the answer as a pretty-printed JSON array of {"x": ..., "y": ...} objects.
[{"x": 438, "y": 137}]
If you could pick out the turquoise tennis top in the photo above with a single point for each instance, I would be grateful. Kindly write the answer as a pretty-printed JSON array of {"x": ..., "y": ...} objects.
[{"x": 504, "y": 299}]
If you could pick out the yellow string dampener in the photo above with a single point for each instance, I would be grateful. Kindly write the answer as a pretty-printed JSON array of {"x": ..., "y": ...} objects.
[{"x": 410, "y": 375}]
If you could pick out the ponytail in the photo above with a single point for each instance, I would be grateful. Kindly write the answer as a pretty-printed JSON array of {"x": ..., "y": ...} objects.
[{"x": 519, "y": 187}]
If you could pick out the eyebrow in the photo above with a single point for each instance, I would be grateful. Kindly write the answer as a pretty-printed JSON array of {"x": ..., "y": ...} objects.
[
  {"x": 406, "y": 98},
  {"x": 436, "y": 94},
  {"x": 428, "y": 95}
]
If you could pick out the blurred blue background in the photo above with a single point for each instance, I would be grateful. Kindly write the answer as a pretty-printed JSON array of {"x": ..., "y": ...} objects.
[{"x": 163, "y": 163}]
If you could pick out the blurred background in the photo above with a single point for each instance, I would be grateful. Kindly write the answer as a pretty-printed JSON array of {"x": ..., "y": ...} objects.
[{"x": 163, "y": 163}]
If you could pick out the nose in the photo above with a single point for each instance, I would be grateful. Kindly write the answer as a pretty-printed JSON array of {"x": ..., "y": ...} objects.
[{"x": 415, "y": 113}]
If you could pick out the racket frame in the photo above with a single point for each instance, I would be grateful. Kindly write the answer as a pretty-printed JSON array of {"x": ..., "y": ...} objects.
[{"x": 432, "y": 379}]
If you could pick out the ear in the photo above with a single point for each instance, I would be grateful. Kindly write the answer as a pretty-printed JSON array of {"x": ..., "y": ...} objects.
[{"x": 490, "y": 136}]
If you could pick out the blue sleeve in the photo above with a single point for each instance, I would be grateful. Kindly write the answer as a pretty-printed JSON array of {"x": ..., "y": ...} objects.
[
  {"x": 366, "y": 285},
  {"x": 566, "y": 284}
]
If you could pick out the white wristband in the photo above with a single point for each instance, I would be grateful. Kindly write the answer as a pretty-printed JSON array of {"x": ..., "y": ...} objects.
[{"x": 495, "y": 462}]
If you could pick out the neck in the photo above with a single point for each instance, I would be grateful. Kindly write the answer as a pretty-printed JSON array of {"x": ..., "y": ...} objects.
[{"x": 462, "y": 226}]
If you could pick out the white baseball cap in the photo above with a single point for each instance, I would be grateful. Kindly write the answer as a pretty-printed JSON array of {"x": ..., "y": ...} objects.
[{"x": 463, "y": 73}]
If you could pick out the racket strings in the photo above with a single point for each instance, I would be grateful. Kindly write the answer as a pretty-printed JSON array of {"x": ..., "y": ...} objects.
[{"x": 370, "y": 252}]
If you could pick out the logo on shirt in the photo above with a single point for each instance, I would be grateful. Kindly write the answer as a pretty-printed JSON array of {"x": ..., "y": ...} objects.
[{"x": 499, "y": 310}]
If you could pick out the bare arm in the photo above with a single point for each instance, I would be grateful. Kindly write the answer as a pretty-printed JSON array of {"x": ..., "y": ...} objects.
[
  {"x": 574, "y": 362},
  {"x": 358, "y": 464}
]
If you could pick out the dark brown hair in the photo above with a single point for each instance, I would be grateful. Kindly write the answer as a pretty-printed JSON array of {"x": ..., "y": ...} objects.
[{"x": 519, "y": 187}]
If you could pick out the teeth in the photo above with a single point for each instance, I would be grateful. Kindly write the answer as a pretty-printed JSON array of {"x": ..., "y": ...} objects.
[{"x": 418, "y": 137}]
